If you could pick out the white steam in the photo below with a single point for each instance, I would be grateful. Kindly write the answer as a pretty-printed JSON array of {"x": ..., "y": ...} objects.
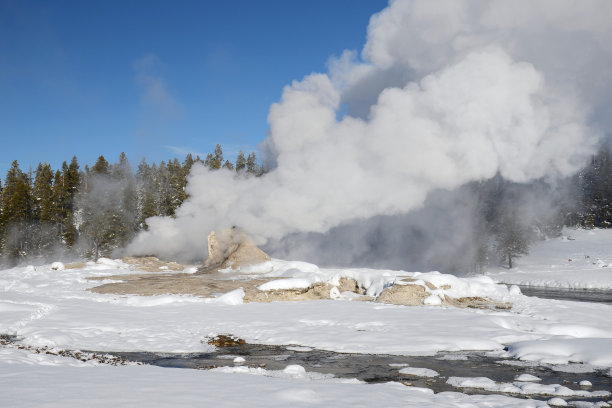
[{"x": 438, "y": 101}]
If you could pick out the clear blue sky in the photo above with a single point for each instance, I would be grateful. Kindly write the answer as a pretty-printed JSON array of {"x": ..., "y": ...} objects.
[{"x": 154, "y": 78}]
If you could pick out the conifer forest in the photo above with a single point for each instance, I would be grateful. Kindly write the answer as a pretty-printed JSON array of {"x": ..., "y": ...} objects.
[{"x": 91, "y": 211}]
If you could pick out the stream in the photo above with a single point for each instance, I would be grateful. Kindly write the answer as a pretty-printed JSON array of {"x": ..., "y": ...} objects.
[
  {"x": 578, "y": 295},
  {"x": 379, "y": 367},
  {"x": 376, "y": 368}
]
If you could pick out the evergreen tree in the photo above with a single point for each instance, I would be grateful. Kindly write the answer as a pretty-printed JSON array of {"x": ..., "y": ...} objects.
[
  {"x": 147, "y": 206},
  {"x": 512, "y": 240},
  {"x": 596, "y": 181},
  {"x": 240, "y": 162},
  {"x": 218, "y": 157},
  {"x": 124, "y": 213},
  {"x": 164, "y": 190},
  {"x": 101, "y": 166},
  {"x": 209, "y": 161},
  {"x": 65, "y": 188},
  {"x": 251, "y": 164},
  {"x": 44, "y": 207},
  {"x": 107, "y": 218},
  {"x": 45, "y": 230},
  {"x": 177, "y": 179},
  {"x": 16, "y": 217},
  {"x": 228, "y": 165},
  {"x": 188, "y": 163}
]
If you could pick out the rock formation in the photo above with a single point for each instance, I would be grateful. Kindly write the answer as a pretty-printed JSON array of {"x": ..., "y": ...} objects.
[{"x": 232, "y": 248}]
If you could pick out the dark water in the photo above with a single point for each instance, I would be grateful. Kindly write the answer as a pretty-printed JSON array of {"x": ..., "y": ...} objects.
[
  {"x": 579, "y": 295},
  {"x": 374, "y": 368}
]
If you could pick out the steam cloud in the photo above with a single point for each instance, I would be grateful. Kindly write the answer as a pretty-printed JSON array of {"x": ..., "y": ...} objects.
[{"x": 445, "y": 92}]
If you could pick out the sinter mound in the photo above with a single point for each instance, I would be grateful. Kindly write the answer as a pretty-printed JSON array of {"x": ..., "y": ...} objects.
[{"x": 231, "y": 249}]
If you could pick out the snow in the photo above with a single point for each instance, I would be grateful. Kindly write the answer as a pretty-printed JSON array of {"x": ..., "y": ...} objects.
[
  {"x": 595, "y": 351},
  {"x": 557, "y": 402},
  {"x": 527, "y": 377},
  {"x": 579, "y": 259},
  {"x": 523, "y": 388},
  {"x": 281, "y": 284},
  {"x": 419, "y": 372},
  {"x": 432, "y": 300},
  {"x": 50, "y": 306},
  {"x": 235, "y": 297},
  {"x": 27, "y": 385}
]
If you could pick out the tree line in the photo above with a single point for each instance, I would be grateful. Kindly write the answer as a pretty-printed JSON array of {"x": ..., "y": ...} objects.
[{"x": 92, "y": 211}]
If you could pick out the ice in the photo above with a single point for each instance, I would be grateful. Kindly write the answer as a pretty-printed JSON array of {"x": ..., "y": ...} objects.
[{"x": 557, "y": 402}]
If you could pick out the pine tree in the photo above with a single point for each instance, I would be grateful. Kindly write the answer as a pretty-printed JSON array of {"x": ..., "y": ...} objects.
[
  {"x": 188, "y": 163},
  {"x": 228, "y": 165},
  {"x": 16, "y": 214},
  {"x": 218, "y": 157},
  {"x": 124, "y": 213},
  {"x": 512, "y": 240},
  {"x": 45, "y": 230},
  {"x": 209, "y": 161},
  {"x": 240, "y": 162},
  {"x": 44, "y": 207},
  {"x": 164, "y": 190},
  {"x": 65, "y": 188},
  {"x": 177, "y": 179},
  {"x": 147, "y": 206},
  {"x": 252, "y": 164},
  {"x": 101, "y": 166},
  {"x": 596, "y": 181}
]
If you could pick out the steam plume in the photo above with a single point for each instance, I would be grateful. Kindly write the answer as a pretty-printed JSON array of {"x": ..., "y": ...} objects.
[{"x": 445, "y": 93}]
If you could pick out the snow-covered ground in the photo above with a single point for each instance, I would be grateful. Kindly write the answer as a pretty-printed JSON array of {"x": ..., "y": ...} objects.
[
  {"x": 50, "y": 306},
  {"x": 578, "y": 259}
]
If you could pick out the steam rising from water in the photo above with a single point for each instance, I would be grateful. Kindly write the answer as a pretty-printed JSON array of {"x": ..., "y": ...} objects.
[{"x": 446, "y": 93}]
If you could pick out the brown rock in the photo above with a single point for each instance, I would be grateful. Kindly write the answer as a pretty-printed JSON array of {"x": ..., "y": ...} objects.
[{"x": 231, "y": 248}]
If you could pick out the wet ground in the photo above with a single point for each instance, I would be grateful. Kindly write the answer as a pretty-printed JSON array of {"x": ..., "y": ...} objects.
[{"x": 376, "y": 368}]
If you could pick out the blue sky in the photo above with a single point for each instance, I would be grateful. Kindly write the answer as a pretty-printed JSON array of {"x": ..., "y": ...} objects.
[{"x": 156, "y": 78}]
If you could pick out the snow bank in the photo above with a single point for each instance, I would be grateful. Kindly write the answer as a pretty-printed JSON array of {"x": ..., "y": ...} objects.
[
  {"x": 26, "y": 385},
  {"x": 523, "y": 388},
  {"x": 579, "y": 259},
  {"x": 594, "y": 351}
]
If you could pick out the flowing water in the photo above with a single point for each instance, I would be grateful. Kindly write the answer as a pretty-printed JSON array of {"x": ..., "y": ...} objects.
[
  {"x": 578, "y": 295},
  {"x": 377, "y": 368}
]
